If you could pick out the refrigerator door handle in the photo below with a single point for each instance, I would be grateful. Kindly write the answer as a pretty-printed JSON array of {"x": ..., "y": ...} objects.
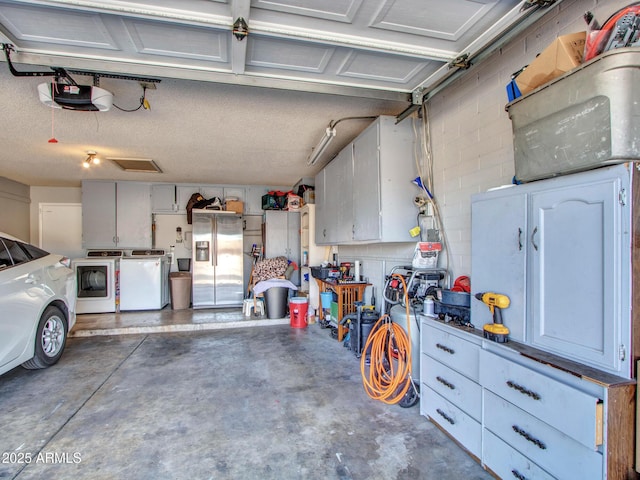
[{"x": 214, "y": 254}]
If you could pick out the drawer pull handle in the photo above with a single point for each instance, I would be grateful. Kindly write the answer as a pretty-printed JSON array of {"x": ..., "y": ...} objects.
[
  {"x": 445, "y": 383},
  {"x": 518, "y": 475},
  {"x": 523, "y": 390},
  {"x": 445, "y": 416},
  {"x": 445, "y": 349},
  {"x": 528, "y": 437}
]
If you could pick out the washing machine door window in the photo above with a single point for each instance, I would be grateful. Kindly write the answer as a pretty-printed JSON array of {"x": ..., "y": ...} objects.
[{"x": 92, "y": 281}]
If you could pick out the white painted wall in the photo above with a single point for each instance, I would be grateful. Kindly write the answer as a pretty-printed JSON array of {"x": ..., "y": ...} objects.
[
  {"x": 14, "y": 208},
  {"x": 377, "y": 261}
]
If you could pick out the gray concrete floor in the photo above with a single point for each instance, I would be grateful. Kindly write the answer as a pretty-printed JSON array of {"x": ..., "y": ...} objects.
[{"x": 265, "y": 402}]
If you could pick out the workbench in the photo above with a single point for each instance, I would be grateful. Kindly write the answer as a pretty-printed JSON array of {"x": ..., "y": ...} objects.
[{"x": 348, "y": 293}]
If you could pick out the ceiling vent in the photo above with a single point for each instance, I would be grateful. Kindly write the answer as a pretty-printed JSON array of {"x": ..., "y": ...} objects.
[{"x": 136, "y": 165}]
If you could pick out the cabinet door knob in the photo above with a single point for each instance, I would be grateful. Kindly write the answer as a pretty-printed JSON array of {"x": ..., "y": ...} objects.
[{"x": 533, "y": 240}]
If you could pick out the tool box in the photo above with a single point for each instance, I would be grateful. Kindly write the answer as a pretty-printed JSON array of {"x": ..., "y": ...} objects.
[
  {"x": 274, "y": 200},
  {"x": 582, "y": 120},
  {"x": 458, "y": 314},
  {"x": 322, "y": 273}
]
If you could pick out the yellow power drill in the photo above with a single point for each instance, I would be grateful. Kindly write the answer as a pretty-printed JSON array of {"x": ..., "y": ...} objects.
[{"x": 495, "y": 331}]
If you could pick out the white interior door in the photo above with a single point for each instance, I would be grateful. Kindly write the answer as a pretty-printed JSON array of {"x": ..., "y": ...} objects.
[{"x": 61, "y": 228}]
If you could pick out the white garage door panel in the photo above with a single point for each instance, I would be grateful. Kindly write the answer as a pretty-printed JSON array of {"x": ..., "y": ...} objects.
[{"x": 378, "y": 45}]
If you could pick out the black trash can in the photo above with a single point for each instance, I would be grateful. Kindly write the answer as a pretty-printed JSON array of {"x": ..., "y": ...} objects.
[
  {"x": 357, "y": 340},
  {"x": 184, "y": 264},
  {"x": 275, "y": 302}
]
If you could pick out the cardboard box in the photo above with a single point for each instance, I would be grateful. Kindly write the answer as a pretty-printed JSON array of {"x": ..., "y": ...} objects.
[
  {"x": 309, "y": 196},
  {"x": 234, "y": 206},
  {"x": 564, "y": 54}
]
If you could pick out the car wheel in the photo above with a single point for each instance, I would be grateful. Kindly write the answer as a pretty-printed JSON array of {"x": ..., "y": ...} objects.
[{"x": 51, "y": 337}]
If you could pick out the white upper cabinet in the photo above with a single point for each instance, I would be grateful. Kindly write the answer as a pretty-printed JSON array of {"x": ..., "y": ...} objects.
[
  {"x": 366, "y": 190},
  {"x": 365, "y": 194},
  {"x": 163, "y": 198},
  {"x": 116, "y": 215},
  {"x": 184, "y": 192}
]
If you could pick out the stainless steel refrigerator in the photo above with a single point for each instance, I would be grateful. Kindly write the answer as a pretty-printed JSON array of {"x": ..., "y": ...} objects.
[{"x": 217, "y": 259}]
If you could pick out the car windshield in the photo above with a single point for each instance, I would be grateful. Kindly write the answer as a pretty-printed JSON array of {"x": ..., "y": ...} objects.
[
  {"x": 33, "y": 252},
  {"x": 14, "y": 253},
  {"x": 5, "y": 258}
]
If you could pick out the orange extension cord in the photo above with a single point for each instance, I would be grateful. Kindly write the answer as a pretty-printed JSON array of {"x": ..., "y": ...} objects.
[{"x": 388, "y": 381}]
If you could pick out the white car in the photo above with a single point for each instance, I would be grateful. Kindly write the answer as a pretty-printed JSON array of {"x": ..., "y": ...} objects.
[{"x": 37, "y": 305}]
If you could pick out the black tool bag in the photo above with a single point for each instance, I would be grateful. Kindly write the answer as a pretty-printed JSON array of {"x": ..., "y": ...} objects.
[
  {"x": 214, "y": 203},
  {"x": 191, "y": 204}
]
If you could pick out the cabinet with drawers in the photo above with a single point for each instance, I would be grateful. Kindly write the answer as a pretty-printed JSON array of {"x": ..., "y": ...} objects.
[
  {"x": 555, "y": 402},
  {"x": 553, "y": 451},
  {"x": 523, "y": 412},
  {"x": 557, "y": 425},
  {"x": 507, "y": 462},
  {"x": 563, "y": 251},
  {"x": 451, "y": 395}
]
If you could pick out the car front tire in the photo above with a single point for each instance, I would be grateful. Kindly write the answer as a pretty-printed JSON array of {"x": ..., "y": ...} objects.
[{"x": 51, "y": 337}]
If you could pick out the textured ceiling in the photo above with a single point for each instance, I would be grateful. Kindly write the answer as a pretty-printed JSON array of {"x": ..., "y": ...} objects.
[
  {"x": 195, "y": 131},
  {"x": 226, "y": 110}
]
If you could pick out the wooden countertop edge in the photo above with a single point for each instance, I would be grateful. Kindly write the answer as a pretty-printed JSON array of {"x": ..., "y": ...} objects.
[{"x": 569, "y": 366}]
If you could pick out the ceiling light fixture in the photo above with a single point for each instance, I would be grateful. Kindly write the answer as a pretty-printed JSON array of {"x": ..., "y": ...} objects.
[
  {"x": 91, "y": 159},
  {"x": 324, "y": 142}
]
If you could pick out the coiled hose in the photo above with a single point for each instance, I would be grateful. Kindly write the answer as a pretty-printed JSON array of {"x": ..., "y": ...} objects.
[{"x": 388, "y": 376}]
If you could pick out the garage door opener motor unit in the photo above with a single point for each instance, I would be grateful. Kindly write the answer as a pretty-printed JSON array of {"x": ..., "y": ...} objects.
[{"x": 75, "y": 97}]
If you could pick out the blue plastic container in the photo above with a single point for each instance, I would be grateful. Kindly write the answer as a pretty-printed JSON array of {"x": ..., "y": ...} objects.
[{"x": 326, "y": 298}]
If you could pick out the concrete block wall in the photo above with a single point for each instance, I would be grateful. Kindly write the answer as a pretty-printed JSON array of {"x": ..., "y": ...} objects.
[
  {"x": 471, "y": 132},
  {"x": 377, "y": 261},
  {"x": 471, "y": 140}
]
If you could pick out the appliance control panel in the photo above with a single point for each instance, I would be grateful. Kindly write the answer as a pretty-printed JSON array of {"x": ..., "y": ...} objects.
[{"x": 147, "y": 253}]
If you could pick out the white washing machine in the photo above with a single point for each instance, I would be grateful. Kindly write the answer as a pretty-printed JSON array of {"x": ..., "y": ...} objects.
[
  {"x": 144, "y": 280},
  {"x": 97, "y": 281}
]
